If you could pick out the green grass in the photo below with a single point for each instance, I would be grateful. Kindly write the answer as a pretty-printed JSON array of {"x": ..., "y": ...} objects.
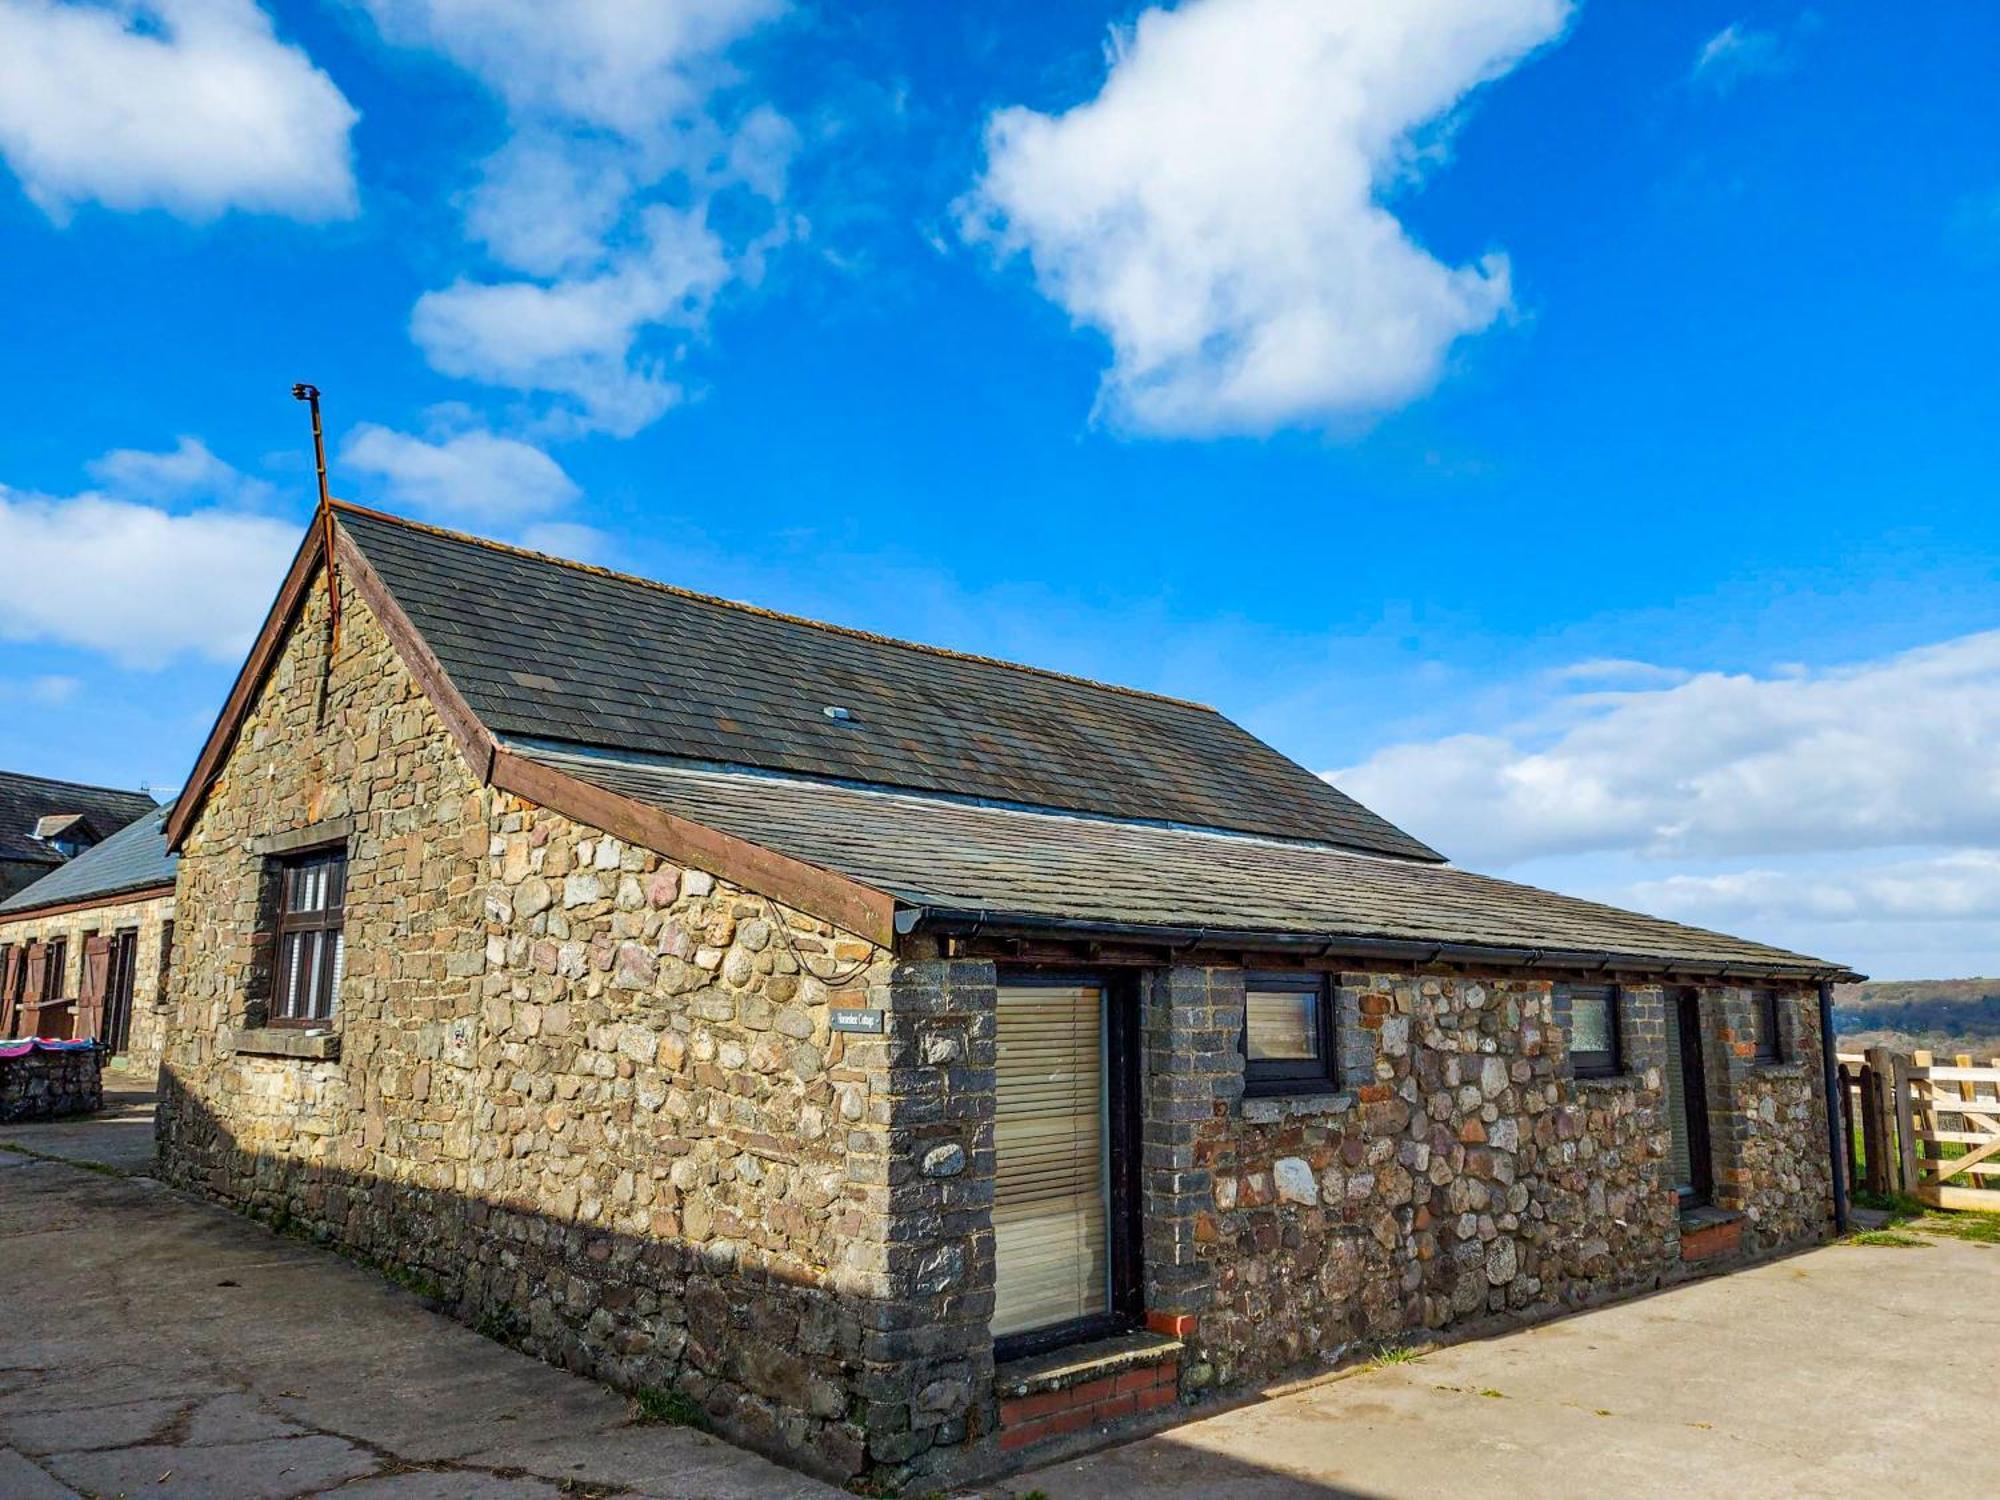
[
  {"x": 1887, "y": 1239},
  {"x": 1393, "y": 1354},
  {"x": 670, "y": 1408},
  {"x": 503, "y": 1325},
  {"x": 100, "y": 1168},
  {"x": 1908, "y": 1218}
]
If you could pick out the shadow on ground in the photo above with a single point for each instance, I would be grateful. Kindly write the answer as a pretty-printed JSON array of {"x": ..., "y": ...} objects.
[{"x": 159, "y": 1346}]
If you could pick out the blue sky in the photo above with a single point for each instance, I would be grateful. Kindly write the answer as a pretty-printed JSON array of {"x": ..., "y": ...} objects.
[{"x": 1573, "y": 427}]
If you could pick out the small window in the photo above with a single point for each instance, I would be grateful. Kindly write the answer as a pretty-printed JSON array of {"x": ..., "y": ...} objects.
[
  {"x": 311, "y": 949},
  {"x": 1764, "y": 1024},
  {"x": 166, "y": 960},
  {"x": 1593, "y": 1030},
  {"x": 1287, "y": 1034},
  {"x": 52, "y": 969}
]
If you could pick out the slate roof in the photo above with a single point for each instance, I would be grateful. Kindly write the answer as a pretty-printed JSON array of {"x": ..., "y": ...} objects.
[
  {"x": 132, "y": 859},
  {"x": 25, "y": 800},
  {"x": 556, "y": 651},
  {"x": 964, "y": 858}
]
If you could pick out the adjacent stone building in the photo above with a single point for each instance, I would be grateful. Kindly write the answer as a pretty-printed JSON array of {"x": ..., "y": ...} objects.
[
  {"x": 85, "y": 951},
  {"x": 45, "y": 822},
  {"x": 913, "y": 1059}
]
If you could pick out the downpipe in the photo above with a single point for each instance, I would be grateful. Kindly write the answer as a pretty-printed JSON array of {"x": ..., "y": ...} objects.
[{"x": 1830, "y": 1070}]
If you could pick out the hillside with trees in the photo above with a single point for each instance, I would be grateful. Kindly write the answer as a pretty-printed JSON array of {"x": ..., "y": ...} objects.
[{"x": 1942, "y": 1016}]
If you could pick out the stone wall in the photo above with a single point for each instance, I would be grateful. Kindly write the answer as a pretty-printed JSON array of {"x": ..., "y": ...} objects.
[
  {"x": 41, "y": 1085},
  {"x": 1460, "y": 1173},
  {"x": 589, "y": 1099},
  {"x": 1768, "y": 1123},
  {"x": 147, "y": 1032}
]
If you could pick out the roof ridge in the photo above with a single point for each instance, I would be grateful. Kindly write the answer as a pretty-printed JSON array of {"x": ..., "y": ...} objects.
[
  {"x": 696, "y": 595},
  {"x": 81, "y": 786}
]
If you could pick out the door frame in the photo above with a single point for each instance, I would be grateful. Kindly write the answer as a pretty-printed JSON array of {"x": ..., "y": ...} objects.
[
  {"x": 1694, "y": 1097},
  {"x": 1124, "y": 1137}
]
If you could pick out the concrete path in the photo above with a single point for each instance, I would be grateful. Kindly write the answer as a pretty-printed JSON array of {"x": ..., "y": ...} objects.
[
  {"x": 1851, "y": 1370},
  {"x": 155, "y": 1346}
]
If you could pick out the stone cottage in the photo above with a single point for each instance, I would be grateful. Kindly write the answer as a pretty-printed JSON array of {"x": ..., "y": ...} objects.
[
  {"x": 914, "y": 1059},
  {"x": 85, "y": 951}
]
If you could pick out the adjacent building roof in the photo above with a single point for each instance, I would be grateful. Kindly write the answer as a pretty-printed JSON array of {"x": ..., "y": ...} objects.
[
  {"x": 554, "y": 650},
  {"x": 26, "y": 801},
  {"x": 133, "y": 859},
  {"x": 951, "y": 792},
  {"x": 1006, "y": 868}
]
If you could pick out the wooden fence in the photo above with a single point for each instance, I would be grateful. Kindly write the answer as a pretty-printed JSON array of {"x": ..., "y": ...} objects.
[{"x": 1922, "y": 1127}]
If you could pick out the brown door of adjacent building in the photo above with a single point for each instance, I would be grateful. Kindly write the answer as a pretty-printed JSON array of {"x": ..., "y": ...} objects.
[
  {"x": 116, "y": 1031},
  {"x": 96, "y": 982},
  {"x": 1065, "y": 1148},
  {"x": 1687, "y": 1098}
]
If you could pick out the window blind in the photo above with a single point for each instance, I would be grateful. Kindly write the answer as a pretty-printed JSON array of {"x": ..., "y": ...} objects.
[
  {"x": 1050, "y": 1218},
  {"x": 1677, "y": 1100}
]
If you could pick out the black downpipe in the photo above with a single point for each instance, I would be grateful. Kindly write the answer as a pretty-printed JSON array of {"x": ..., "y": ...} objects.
[{"x": 1836, "y": 1147}]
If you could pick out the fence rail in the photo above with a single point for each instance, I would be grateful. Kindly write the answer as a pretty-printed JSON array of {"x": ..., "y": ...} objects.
[{"x": 1922, "y": 1127}]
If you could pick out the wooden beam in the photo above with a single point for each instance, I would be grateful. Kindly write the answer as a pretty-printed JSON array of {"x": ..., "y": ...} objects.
[
  {"x": 475, "y": 741},
  {"x": 262, "y": 652},
  {"x": 835, "y": 898},
  {"x": 1985, "y": 1200}
]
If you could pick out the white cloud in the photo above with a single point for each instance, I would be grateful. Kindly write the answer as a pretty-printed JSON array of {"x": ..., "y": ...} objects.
[
  {"x": 187, "y": 470},
  {"x": 137, "y": 582},
  {"x": 1958, "y": 886},
  {"x": 192, "y": 106},
  {"x": 576, "y": 337},
  {"x": 473, "y": 475},
  {"x": 1870, "y": 756},
  {"x": 567, "y": 539},
  {"x": 1737, "y": 52},
  {"x": 1218, "y": 210},
  {"x": 623, "y": 67},
  {"x": 627, "y": 130},
  {"x": 46, "y": 691},
  {"x": 1851, "y": 812}
]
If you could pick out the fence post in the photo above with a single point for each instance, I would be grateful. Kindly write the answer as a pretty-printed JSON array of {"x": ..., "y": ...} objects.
[
  {"x": 1906, "y": 1125},
  {"x": 1878, "y": 1121},
  {"x": 1851, "y": 1153}
]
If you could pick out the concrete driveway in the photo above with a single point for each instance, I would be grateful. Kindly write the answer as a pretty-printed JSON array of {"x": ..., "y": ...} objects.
[
  {"x": 151, "y": 1345},
  {"x": 1850, "y": 1370}
]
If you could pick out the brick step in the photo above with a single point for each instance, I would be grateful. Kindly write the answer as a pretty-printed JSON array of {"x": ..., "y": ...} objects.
[{"x": 1086, "y": 1385}]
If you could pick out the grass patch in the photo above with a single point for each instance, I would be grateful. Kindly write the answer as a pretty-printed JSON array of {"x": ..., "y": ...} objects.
[
  {"x": 1887, "y": 1239},
  {"x": 1393, "y": 1354},
  {"x": 1906, "y": 1214},
  {"x": 503, "y": 1325},
  {"x": 98, "y": 1167},
  {"x": 670, "y": 1408},
  {"x": 1493, "y": 1395}
]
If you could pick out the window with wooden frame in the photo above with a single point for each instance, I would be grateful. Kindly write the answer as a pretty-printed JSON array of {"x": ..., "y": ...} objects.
[
  {"x": 1764, "y": 1026},
  {"x": 1288, "y": 1034},
  {"x": 312, "y": 896},
  {"x": 1594, "y": 1049},
  {"x": 54, "y": 962}
]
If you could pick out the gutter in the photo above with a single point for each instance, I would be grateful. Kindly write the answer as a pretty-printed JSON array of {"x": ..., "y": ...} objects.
[
  {"x": 151, "y": 890},
  {"x": 1836, "y": 1148},
  {"x": 946, "y": 922}
]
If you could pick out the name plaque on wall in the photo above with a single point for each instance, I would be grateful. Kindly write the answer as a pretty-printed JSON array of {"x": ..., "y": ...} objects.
[{"x": 856, "y": 1018}]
